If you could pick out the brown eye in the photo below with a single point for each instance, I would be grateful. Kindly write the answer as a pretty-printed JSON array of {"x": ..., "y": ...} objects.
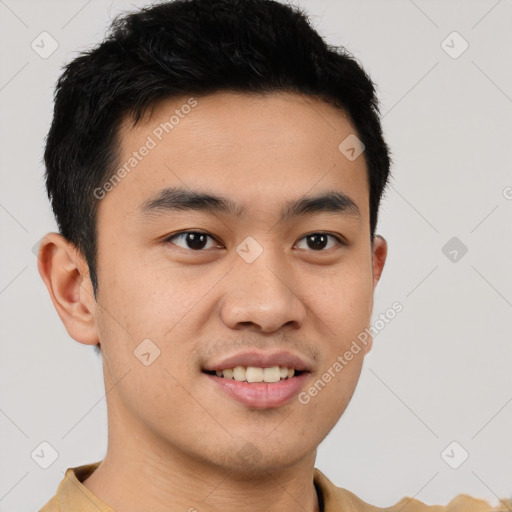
[
  {"x": 193, "y": 240},
  {"x": 319, "y": 241}
]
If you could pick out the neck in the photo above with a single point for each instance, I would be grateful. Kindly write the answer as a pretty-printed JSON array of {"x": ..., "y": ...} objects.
[
  {"x": 141, "y": 482},
  {"x": 139, "y": 473}
]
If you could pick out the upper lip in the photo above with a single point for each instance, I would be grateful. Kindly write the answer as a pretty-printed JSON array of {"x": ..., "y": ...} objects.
[{"x": 260, "y": 360}]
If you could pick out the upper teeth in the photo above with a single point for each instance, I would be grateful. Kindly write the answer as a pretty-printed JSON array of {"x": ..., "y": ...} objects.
[{"x": 254, "y": 374}]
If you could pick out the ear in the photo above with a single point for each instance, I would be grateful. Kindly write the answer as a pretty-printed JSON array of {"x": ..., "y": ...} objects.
[
  {"x": 66, "y": 276},
  {"x": 379, "y": 254}
]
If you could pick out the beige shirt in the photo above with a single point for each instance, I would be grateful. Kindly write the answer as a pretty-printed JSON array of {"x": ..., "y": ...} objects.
[{"x": 73, "y": 496}]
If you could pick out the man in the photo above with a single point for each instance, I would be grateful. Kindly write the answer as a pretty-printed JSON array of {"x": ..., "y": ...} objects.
[{"x": 216, "y": 172}]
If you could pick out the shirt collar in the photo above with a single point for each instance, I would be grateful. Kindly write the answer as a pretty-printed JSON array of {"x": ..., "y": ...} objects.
[{"x": 74, "y": 496}]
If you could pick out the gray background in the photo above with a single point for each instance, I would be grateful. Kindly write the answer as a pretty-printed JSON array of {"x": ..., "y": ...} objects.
[{"x": 439, "y": 372}]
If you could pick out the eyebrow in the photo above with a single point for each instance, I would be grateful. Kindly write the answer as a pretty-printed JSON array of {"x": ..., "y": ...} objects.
[{"x": 174, "y": 199}]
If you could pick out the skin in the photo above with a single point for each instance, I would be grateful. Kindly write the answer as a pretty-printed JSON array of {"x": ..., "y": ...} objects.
[{"x": 175, "y": 441}]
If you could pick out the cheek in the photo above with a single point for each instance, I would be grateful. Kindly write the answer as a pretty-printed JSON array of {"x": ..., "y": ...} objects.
[
  {"x": 144, "y": 299},
  {"x": 151, "y": 301},
  {"x": 344, "y": 299}
]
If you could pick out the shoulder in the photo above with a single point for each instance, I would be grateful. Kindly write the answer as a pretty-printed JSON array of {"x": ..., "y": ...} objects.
[
  {"x": 461, "y": 503},
  {"x": 336, "y": 498},
  {"x": 51, "y": 506}
]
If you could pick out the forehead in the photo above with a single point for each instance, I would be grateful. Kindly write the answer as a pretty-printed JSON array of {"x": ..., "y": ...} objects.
[{"x": 261, "y": 149}]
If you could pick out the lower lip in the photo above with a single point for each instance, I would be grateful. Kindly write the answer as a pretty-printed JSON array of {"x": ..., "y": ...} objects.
[{"x": 260, "y": 395}]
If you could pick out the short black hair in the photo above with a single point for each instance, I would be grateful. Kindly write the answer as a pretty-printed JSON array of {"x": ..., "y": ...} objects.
[{"x": 192, "y": 47}]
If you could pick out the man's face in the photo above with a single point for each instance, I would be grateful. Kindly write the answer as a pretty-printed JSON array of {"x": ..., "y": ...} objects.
[{"x": 262, "y": 289}]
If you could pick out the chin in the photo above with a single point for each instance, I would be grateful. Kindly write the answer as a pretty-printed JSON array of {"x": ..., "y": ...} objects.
[{"x": 263, "y": 458}]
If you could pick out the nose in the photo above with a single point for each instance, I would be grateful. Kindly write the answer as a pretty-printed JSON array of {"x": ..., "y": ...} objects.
[{"x": 262, "y": 296}]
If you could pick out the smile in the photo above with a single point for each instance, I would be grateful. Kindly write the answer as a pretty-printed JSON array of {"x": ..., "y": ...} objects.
[{"x": 259, "y": 393}]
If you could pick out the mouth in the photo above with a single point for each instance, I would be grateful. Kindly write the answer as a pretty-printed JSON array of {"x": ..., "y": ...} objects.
[{"x": 259, "y": 381}]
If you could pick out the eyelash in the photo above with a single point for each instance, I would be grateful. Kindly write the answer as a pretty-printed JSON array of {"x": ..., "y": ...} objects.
[{"x": 339, "y": 241}]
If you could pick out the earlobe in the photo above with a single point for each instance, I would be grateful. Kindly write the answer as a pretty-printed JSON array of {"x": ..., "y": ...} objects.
[
  {"x": 65, "y": 274},
  {"x": 380, "y": 252}
]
